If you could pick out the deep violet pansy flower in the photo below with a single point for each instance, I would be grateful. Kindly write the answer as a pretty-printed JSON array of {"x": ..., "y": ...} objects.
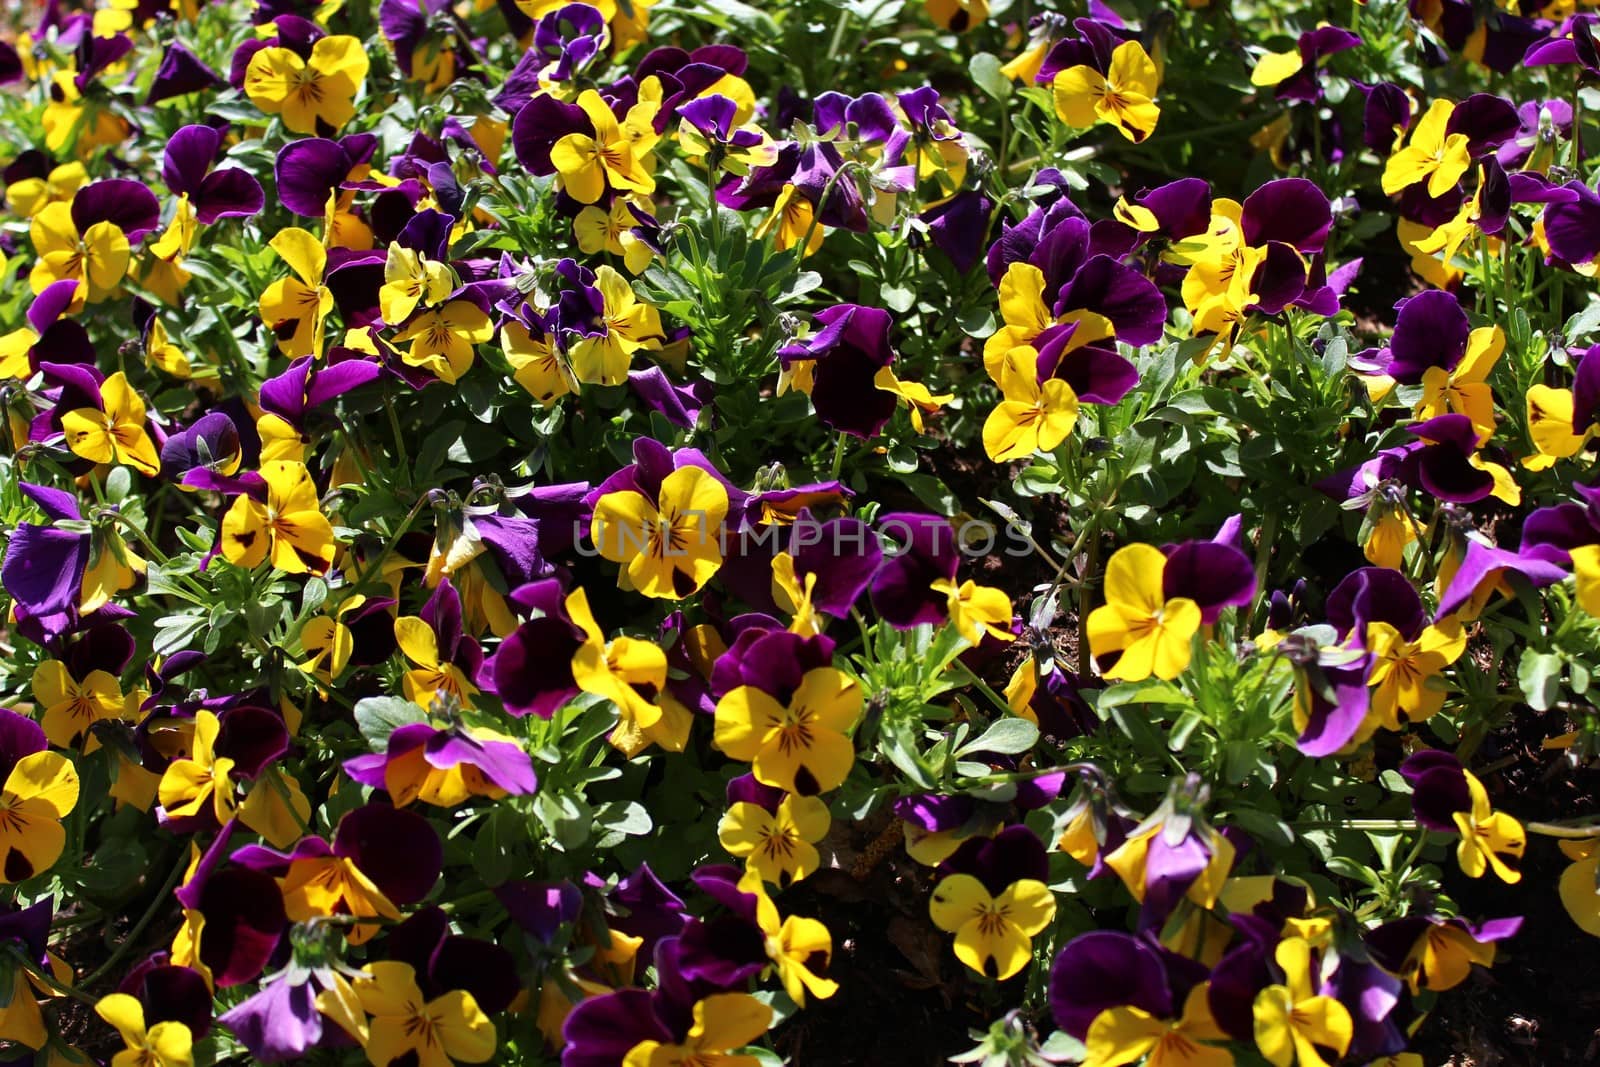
[
  {"x": 227, "y": 192},
  {"x": 44, "y": 564},
  {"x": 541, "y": 908},
  {"x": 310, "y": 169},
  {"x": 445, "y": 961},
  {"x": 395, "y": 850},
  {"x": 927, "y": 552},
  {"x": 1215, "y": 574},
  {"x": 170, "y": 994},
  {"x": 531, "y": 670},
  {"x": 1107, "y": 969},
  {"x": 181, "y": 73},
  {"x": 838, "y": 364}
]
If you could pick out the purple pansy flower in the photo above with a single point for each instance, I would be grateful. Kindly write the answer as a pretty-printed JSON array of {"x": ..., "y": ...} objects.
[
  {"x": 227, "y": 192},
  {"x": 843, "y": 357}
]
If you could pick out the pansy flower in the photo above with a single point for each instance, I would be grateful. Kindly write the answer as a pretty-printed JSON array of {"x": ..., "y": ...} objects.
[
  {"x": 632, "y": 675},
  {"x": 159, "y": 1027},
  {"x": 1031, "y": 416},
  {"x": 611, "y": 155},
  {"x": 1434, "y": 346},
  {"x": 313, "y": 92},
  {"x": 837, "y": 366},
  {"x": 443, "y": 336},
  {"x": 486, "y": 550},
  {"x": 82, "y": 688},
  {"x": 90, "y": 240},
  {"x": 296, "y": 308},
  {"x": 1293, "y": 1019},
  {"x": 1431, "y": 154},
  {"x": 722, "y": 1022},
  {"x": 1169, "y": 858},
  {"x": 59, "y": 576},
  {"x": 1433, "y": 952},
  {"x": 422, "y": 53},
  {"x": 669, "y": 545},
  {"x": 1148, "y": 631},
  {"x": 397, "y": 1022},
  {"x": 1580, "y": 884},
  {"x": 233, "y": 918},
  {"x": 281, "y": 522},
  {"x": 1403, "y": 667},
  {"x": 625, "y": 229},
  {"x": 444, "y": 767},
  {"x": 39, "y": 789},
  {"x": 538, "y": 362},
  {"x": 995, "y": 901},
  {"x": 200, "y": 788},
  {"x": 23, "y": 933},
  {"x": 444, "y": 661},
  {"x": 1120, "y": 94},
  {"x": 1122, "y": 994},
  {"x": 289, "y": 402},
  {"x": 382, "y": 858},
  {"x": 958, "y": 15},
  {"x": 114, "y": 432},
  {"x": 774, "y": 832},
  {"x": 977, "y": 610},
  {"x": 181, "y": 72},
  {"x": 711, "y": 137},
  {"x": 33, "y": 180},
  {"x": 1292, "y": 75},
  {"x": 626, "y": 325},
  {"x": 800, "y": 744},
  {"x": 1447, "y": 797},
  {"x": 205, "y": 193},
  {"x": 797, "y": 948},
  {"x": 49, "y": 335},
  {"x": 280, "y": 1023},
  {"x": 411, "y": 277},
  {"x": 76, "y": 114}
]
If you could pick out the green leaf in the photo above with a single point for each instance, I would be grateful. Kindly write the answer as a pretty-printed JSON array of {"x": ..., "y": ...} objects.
[
  {"x": 175, "y": 632},
  {"x": 378, "y": 717},
  {"x": 1008, "y": 737},
  {"x": 1062, "y": 1047},
  {"x": 986, "y": 75},
  {"x": 623, "y": 818},
  {"x": 1263, "y": 825},
  {"x": 1539, "y": 676}
]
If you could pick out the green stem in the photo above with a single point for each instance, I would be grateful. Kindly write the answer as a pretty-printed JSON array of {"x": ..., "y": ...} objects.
[
  {"x": 838, "y": 458},
  {"x": 399, "y": 438},
  {"x": 149, "y": 915}
]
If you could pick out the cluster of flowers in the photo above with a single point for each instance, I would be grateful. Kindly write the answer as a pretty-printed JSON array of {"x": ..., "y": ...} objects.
[{"x": 237, "y": 640}]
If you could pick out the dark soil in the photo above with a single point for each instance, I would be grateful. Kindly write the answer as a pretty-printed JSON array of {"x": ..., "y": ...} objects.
[
  {"x": 905, "y": 998},
  {"x": 1540, "y": 1004}
]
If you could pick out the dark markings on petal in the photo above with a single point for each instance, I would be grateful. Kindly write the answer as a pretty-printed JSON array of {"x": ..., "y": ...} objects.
[
  {"x": 18, "y": 868},
  {"x": 682, "y": 582}
]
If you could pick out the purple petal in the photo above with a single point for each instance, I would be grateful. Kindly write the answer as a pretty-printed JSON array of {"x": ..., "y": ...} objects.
[
  {"x": 397, "y": 849},
  {"x": 1292, "y": 210},
  {"x": 188, "y": 158},
  {"x": 1483, "y": 563},
  {"x": 1214, "y": 576},
  {"x": 1106, "y": 969},
  {"x": 181, "y": 73},
  {"x": 129, "y": 205},
  {"x": 228, "y": 193}
]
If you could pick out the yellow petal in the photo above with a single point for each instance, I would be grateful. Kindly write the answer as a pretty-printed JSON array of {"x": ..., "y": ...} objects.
[{"x": 1275, "y": 67}]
